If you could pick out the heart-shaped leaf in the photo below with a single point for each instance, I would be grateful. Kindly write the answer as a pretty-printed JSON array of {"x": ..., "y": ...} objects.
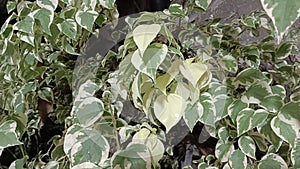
[
  {"x": 168, "y": 109},
  {"x": 282, "y": 13},
  {"x": 143, "y": 35}
]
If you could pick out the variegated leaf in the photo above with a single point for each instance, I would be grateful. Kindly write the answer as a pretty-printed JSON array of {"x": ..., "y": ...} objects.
[
  {"x": 295, "y": 153},
  {"x": 273, "y": 161},
  {"x": 8, "y": 135},
  {"x": 282, "y": 13},
  {"x": 148, "y": 63},
  {"x": 248, "y": 119},
  {"x": 193, "y": 72},
  {"x": 134, "y": 156},
  {"x": 269, "y": 134},
  {"x": 51, "y": 5},
  {"x": 192, "y": 114},
  {"x": 247, "y": 146},
  {"x": 85, "y": 145},
  {"x": 69, "y": 28},
  {"x": 250, "y": 76},
  {"x": 45, "y": 17},
  {"x": 234, "y": 108},
  {"x": 203, "y": 4},
  {"x": 256, "y": 93},
  {"x": 209, "y": 110},
  {"x": 143, "y": 35},
  {"x": 89, "y": 111},
  {"x": 238, "y": 160},
  {"x": 223, "y": 151},
  {"x": 86, "y": 19}
]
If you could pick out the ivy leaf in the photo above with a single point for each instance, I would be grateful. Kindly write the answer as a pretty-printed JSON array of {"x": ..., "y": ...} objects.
[
  {"x": 46, "y": 93},
  {"x": 89, "y": 111},
  {"x": 248, "y": 119},
  {"x": 25, "y": 25},
  {"x": 209, "y": 110},
  {"x": 238, "y": 160},
  {"x": 193, "y": 72},
  {"x": 247, "y": 146},
  {"x": 169, "y": 109},
  {"x": 250, "y": 76},
  {"x": 176, "y": 9},
  {"x": 107, "y": 3},
  {"x": 86, "y": 19},
  {"x": 8, "y": 136},
  {"x": 45, "y": 17},
  {"x": 285, "y": 129},
  {"x": 234, "y": 108},
  {"x": 134, "y": 156},
  {"x": 256, "y": 93},
  {"x": 223, "y": 151},
  {"x": 266, "y": 131},
  {"x": 69, "y": 28},
  {"x": 51, "y": 5},
  {"x": 203, "y": 4},
  {"x": 85, "y": 145},
  {"x": 192, "y": 114},
  {"x": 295, "y": 154},
  {"x": 229, "y": 63},
  {"x": 282, "y": 13},
  {"x": 148, "y": 63},
  {"x": 143, "y": 35},
  {"x": 273, "y": 161},
  {"x": 155, "y": 146}
]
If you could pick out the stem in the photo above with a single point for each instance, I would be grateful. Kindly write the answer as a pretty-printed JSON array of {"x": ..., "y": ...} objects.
[{"x": 114, "y": 122}]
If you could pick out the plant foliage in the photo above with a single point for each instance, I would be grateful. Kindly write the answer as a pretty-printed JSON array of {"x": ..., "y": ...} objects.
[{"x": 173, "y": 72}]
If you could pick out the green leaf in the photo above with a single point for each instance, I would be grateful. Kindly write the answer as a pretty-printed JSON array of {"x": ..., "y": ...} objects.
[
  {"x": 134, "y": 156},
  {"x": 273, "y": 161},
  {"x": 51, "y": 5},
  {"x": 223, "y": 151},
  {"x": 234, "y": 108},
  {"x": 149, "y": 62},
  {"x": 69, "y": 28},
  {"x": 229, "y": 63},
  {"x": 282, "y": 13},
  {"x": 223, "y": 134},
  {"x": 285, "y": 129},
  {"x": 256, "y": 93},
  {"x": 238, "y": 160},
  {"x": 176, "y": 9},
  {"x": 89, "y": 111},
  {"x": 269, "y": 134},
  {"x": 46, "y": 93},
  {"x": 169, "y": 109},
  {"x": 250, "y": 76},
  {"x": 248, "y": 119},
  {"x": 86, "y": 19},
  {"x": 107, "y": 3},
  {"x": 25, "y": 25},
  {"x": 209, "y": 110},
  {"x": 8, "y": 136},
  {"x": 192, "y": 114},
  {"x": 295, "y": 154},
  {"x": 272, "y": 103},
  {"x": 85, "y": 145},
  {"x": 247, "y": 146},
  {"x": 143, "y": 35},
  {"x": 203, "y": 4},
  {"x": 45, "y": 17}
]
